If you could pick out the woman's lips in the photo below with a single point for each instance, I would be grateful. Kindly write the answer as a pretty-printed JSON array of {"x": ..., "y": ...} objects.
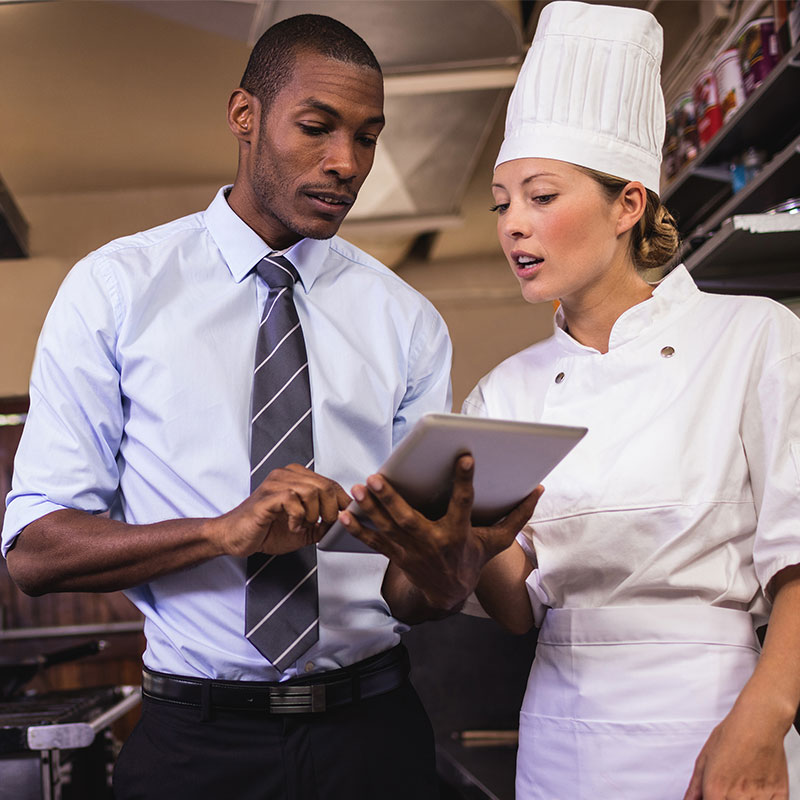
[{"x": 525, "y": 264}]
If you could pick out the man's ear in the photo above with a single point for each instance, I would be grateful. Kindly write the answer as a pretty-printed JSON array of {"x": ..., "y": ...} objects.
[
  {"x": 632, "y": 202},
  {"x": 244, "y": 110}
]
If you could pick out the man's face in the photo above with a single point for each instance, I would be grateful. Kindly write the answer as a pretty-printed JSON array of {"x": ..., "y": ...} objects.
[{"x": 315, "y": 148}]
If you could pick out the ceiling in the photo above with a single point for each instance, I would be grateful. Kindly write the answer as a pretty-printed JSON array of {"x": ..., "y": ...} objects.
[{"x": 112, "y": 95}]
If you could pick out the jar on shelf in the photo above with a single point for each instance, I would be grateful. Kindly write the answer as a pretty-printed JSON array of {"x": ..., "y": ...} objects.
[
  {"x": 686, "y": 125},
  {"x": 758, "y": 52},
  {"x": 787, "y": 23},
  {"x": 745, "y": 167},
  {"x": 707, "y": 109},
  {"x": 728, "y": 74},
  {"x": 670, "y": 151}
]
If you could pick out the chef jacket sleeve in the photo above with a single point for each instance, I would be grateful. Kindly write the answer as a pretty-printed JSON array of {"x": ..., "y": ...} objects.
[
  {"x": 67, "y": 455},
  {"x": 770, "y": 431}
]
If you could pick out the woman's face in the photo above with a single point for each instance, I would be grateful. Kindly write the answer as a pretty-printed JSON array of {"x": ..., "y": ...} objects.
[{"x": 558, "y": 230}]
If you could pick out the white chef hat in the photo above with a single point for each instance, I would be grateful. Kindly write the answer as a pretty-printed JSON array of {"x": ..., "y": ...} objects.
[{"x": 589, "y": 92}]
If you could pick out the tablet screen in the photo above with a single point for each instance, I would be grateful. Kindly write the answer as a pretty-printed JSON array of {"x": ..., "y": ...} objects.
[{"x": 511, "y": 459}]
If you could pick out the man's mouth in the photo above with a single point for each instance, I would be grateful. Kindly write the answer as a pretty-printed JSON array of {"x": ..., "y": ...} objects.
[{"x": 332, "y": 199}]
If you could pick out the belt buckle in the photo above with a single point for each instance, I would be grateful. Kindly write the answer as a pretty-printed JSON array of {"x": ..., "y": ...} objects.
[{"x": 297, "y": 699}]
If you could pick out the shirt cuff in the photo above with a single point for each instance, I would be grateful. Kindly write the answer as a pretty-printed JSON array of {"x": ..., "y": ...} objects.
[{"x": 20, "y": 513}]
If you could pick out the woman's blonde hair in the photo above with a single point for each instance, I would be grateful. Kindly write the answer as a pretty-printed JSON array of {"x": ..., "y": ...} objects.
[{"x": 654, "y": 239}]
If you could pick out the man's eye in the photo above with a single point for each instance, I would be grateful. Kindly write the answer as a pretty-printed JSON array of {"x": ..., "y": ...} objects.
[
  {"x": 367, "y": 141},
  {"x": 312, "y": 130}
]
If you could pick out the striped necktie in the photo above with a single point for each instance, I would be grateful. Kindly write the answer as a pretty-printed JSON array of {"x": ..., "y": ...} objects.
[{"x": 281, "y": 604}]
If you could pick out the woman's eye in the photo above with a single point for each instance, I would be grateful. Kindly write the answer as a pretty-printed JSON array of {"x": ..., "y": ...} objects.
[
  {"x": 499, "y": 208},
  {"x": 543, "y": 199}
]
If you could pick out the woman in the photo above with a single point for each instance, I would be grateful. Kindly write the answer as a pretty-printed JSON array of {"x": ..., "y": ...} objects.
[{"x": 673, "y": 528}]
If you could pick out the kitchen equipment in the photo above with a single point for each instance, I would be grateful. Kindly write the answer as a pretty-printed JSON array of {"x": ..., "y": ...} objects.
[
  {"x": 58, "y": 745},
  {"x": 15, "y": 674}
]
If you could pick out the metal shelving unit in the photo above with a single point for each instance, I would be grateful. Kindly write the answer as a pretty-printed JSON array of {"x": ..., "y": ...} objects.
[
  {"x": 768, "y": 120},
  {"x": 751, "y": 254},
  {"x": 728, "y": 247}
]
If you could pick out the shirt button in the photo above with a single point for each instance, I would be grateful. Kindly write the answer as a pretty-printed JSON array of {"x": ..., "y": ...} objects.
[
  {"x": 667, "y": 352},
  {"x": 309, "y": 666},
  {"x": 560, "y": 377}
]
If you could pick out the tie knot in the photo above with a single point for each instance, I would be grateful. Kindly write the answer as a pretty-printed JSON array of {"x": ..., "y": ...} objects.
[{"x": 277, "y": 271}]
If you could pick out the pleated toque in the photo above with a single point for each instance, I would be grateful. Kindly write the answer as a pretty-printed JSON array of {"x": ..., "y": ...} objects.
[{"x": 589, "y": 92}]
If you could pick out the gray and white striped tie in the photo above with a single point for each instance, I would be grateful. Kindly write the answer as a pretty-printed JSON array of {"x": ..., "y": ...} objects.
[{"x": 281, "y": 602}]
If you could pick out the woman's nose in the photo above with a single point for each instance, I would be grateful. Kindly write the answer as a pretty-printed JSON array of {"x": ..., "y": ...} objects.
[{"x": 514, "y": 223}]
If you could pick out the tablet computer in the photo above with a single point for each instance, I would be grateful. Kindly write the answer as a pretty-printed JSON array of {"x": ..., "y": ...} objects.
[{"x": 511, "y": 459}]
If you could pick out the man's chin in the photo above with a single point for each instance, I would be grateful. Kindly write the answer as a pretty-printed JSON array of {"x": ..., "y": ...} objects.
[{"x": 318, "y": 229}]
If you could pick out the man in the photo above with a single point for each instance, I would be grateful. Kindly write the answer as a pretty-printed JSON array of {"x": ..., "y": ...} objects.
[{"x": 147, "y": 403}]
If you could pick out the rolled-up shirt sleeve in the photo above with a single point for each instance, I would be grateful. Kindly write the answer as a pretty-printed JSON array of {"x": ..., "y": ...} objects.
[
  {"x": 67, "y": 457},
  {"x": 428, "y": 388}
]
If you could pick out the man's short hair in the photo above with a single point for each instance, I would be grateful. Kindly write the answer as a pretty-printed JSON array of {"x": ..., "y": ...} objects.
[{"x": 270, "y": 66}]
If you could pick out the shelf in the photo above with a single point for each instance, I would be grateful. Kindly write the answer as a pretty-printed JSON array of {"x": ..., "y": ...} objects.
[
  {"x": 769, "y": 119},
  {"x": 775, "y": 286},
  {"x": 753, "y": 254},
  {"x": 777, "y": 181}
]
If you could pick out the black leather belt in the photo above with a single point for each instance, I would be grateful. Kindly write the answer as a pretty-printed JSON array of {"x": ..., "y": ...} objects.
[{"x": 307, "y": 695}]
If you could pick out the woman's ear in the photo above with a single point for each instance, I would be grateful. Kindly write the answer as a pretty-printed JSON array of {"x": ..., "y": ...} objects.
[{"x": 631, "y": 204}]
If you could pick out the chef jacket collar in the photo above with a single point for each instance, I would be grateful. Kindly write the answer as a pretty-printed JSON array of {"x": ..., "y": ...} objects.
[
  {"x": 242, "y": 248},
  {"x": 677, "y": 287}
]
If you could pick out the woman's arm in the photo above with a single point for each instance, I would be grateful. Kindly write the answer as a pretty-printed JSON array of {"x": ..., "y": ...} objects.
[
  {"x": 744, "y": 756},
  {"x": 502, "y": 589}
]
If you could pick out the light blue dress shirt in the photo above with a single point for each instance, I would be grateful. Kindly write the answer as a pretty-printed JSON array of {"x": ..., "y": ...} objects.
[{"x": 140, "y": 404}]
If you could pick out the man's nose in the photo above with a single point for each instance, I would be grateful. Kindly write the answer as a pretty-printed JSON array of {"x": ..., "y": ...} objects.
[{"x": 340, "y": 159}]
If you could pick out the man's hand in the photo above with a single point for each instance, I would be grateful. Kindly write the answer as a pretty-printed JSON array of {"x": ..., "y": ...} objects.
[
  {"x": 441, "y": 558},
  {"x": 293, "y": 507}
]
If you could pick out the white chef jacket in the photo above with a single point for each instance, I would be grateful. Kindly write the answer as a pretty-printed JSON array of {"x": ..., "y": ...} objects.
[{"x": 687, "y": 486}]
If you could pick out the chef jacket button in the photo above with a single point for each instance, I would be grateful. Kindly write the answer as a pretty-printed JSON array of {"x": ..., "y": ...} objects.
[
  {"x": 667, "y": 352},
  {"x": 560, "y": 377},
  {"x": 309, "y": 666}
]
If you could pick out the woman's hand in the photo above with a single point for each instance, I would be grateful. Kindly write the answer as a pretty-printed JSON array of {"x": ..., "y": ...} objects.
[
  {"x": 743, "y": 759},
  {"x": 744, "y": 756}
]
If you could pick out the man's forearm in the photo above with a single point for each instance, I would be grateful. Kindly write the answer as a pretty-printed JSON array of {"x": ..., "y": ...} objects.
[{"x": 72, "y": 550}]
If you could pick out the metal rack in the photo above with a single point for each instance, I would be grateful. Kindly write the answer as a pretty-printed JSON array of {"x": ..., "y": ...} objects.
[
  {"x": 751, "y": 254},
  {"x": 769, "y": 120},
  {"x": 727, "y": 246}
]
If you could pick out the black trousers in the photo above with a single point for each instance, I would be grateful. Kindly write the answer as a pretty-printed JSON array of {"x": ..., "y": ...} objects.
[{"x": 376, "y": 749}]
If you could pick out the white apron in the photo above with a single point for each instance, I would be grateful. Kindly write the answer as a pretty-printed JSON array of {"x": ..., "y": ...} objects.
[{"x": 620, "y": 701}]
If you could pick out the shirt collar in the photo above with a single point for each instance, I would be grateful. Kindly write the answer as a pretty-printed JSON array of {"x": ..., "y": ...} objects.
[
  {"x": 670, "y": 292},
  {"x": 242, "y": 248}
]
